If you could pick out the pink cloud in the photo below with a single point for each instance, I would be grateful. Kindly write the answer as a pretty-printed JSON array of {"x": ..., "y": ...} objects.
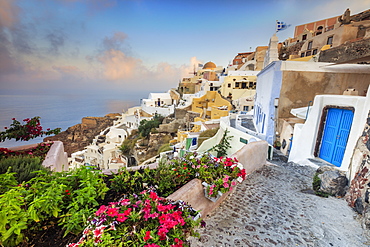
[
  {"x": 8, "y": 13},
  {"x": 118, "y": 66}
]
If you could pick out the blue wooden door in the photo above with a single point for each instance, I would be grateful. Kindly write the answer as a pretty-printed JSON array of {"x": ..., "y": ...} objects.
[{"x": 336, "y": 131}]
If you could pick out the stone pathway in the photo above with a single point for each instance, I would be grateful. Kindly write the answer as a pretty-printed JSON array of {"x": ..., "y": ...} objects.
[{"x": 270, "y": 209}]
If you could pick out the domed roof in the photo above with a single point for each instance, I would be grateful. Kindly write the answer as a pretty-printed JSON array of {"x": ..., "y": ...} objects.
[{"x": 209, "y": 65}]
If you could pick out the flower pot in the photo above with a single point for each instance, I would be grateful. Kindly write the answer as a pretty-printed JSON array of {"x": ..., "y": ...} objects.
[{"x": 211, "y": 198}]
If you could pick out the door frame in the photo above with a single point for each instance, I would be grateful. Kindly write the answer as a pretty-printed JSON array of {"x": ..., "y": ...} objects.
[{"x": 323, "y": 122}]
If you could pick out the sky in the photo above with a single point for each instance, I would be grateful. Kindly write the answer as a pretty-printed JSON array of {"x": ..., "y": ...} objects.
[{"x": 129, "y": 46}]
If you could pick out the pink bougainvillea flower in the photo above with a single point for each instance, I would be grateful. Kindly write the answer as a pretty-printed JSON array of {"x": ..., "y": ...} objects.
[
  {"x": 226, "y": 185},
  {"x": 225, "y": 179},
  {"x": 233, "y": 183},
  {"x": 151, "y": 245},
  {"x": 147, "y": 236},
  {"x": 112, "y": 212}
]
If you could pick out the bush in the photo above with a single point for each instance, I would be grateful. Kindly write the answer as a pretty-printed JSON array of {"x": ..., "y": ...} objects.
[
  {"x": 206, "y": 135},
  {"x": 164, "y": 148},
  {"x": 22, "y": 166},
  {"x": 67, "y": 197},
  {"x": 146, "y": 126}
]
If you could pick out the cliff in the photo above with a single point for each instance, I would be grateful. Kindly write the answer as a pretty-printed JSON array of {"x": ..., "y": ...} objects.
[{"x": 77, "y": 137}]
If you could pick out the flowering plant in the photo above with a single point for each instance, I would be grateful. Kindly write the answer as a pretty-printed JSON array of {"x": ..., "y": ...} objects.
[
  {"x": 141, "y": 220},
  {"x": 39, "y": 151},
  {"x": 219, "y": 173},
  {"x": 31, "y": 129}
]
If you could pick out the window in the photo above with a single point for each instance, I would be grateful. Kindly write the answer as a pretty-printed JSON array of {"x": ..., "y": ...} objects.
[
  {"x": 302, "y": 54},
  {"x": 309, "y": 46},
  {"x": 314, "y": 52},
  {"x": 236, "y": 84},
  {"x": 319, "y": 30},
  {"x": 304, "y": 37},
  {"x": 250, "y": 84},
  {"x": 211, "y": 84},
  {"x": 330, "y": 40},
  {"x": 245, "y": 108},
  {"x": 244, "y": 85},
  {"x": 242, "y": 140},
  {"x": 308, "y": 53},
  {"x": 229, "y": 85}
]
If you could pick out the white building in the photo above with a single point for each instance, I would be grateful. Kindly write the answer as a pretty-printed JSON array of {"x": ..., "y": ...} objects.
[
  {"x": 333, "y": 127},
  {"x": 160, "y": 103}
]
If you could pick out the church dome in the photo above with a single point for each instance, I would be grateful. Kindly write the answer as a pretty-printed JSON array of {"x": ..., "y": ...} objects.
[{"x": 209, "y": 65}]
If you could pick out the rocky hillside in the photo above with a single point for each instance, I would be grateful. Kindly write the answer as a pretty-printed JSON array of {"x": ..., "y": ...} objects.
[{"x": 75, "y": 138}]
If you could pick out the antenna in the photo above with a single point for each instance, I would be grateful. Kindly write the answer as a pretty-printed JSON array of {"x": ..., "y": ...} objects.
[{"x": 194, "y": 72}]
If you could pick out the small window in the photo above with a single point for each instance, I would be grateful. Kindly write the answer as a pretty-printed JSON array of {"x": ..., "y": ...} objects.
[
  {"x": 308, "y": 53},
  {"x": 245, "y": 108},
  {"x": 304, "y": 36},
  {"x": 250, "y": 84},
  {"x": 319, "y": 30},
  {"x": 314, "y": 52},
  {"x": 309, "y": 46},
  {"x": 330, "y": 40},
  {"x": 236, "y": 84},
  {"x": 242, "y": 140},
  {"x": 302, "y": 54},
  {"x": 244, "y": 85},
  {"x": 229, "y": 85}
]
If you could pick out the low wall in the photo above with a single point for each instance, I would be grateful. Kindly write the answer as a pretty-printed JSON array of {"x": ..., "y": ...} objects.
[
  {"x": 56, "y": 159},
  {"x": 252, "y": 156}
]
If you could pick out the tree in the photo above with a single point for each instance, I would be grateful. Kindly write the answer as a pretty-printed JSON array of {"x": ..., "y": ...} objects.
[
  {"x": 146, "y": 126},
  {"x": 222, "y": 147},
  {"x": 27, "y": 131}
]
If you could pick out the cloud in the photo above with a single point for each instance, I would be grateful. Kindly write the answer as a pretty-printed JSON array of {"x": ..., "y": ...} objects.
[
  {"x": 8, "y": 13},
  {"x": 56, "y": 40},
  {"x": 118, "y": 66},
  {"x": 114, "y": 42}
]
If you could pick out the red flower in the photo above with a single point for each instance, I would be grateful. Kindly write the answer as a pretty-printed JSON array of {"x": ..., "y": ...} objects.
[
  {"x": 153, "y": 196},
  {"x": 147, "y": 236},
  {"x": 101, "y": 210},
  {"x": 112, "y": 212},
  {"x": 121, "y": 218}
]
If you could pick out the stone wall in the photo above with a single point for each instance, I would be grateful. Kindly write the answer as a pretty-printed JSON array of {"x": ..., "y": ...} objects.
[
  {"x": 359, "y": 192},
  {"x": 358, "y": 51}
]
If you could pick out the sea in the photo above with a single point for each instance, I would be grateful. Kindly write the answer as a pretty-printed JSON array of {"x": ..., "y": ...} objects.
[{"x": 60, "y": 111}]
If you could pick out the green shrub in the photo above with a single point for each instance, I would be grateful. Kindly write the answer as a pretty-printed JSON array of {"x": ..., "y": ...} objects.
[
  {"x": 164, "y": 148},
  {"x": 316, "y": 184},
  {"x": 22, "y": 166},
  {"x": 206, "y": 135},
  {"x": 68, "y": 197}
]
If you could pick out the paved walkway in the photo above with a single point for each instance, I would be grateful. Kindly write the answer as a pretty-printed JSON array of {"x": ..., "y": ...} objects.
[{"x": 270, "y": 209}]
